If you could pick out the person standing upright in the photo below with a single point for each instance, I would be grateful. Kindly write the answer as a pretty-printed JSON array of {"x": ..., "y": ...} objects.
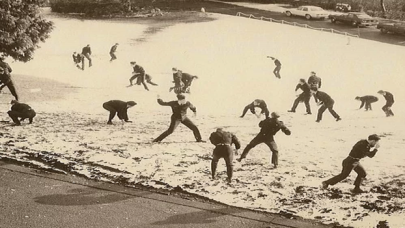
[
  {"x": 276, "y": 70},
  {"x": 305, "y": 96},
  {"x": 268, "y": 128},
  {"x": 256, "y": 103},
  {"x": 389, "y": 102},
  {"x": 5, "y": 78},
  {"x": 367, "y": 100},
  {"x": 326, "y": 102},
  {"x": 360, "y": 150},
  {"x": 86, "y": 52},
  {"x": 314, "y": 81},
  {"x": 112, "y": 52},
  {"x": 179, "y": 109},
  {"x": 138, "y": 74},
  {"x": 223, "y": 141}
]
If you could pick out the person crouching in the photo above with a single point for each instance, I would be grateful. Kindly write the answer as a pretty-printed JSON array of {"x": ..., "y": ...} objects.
[{"x": 22, "y": 111}]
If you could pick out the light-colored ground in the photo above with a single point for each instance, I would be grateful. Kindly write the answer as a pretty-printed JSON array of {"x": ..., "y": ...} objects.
[{"x": 229, "y": 56}]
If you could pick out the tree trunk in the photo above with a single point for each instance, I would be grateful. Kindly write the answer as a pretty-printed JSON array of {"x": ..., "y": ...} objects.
[{"x": 384, "y": 10}]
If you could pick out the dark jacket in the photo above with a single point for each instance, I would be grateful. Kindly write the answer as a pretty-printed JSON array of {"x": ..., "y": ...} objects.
[
  {"x": 224, "y": 137},
  {"x": 368, "y": 98},
  {"x": 138, "y": 70},
  {"x": 304, "y": 87},
  {"x": 260, "y": 103},
  {"x": 86, "y": 50},
  {"x": 179, "y": 111},
  {"x": 362, "y": 149},
  {"x": 120, "y": 107},
  {"x": 277, "y": 62},
  {"x": 5, "y": 75},
  {"x": 177, "y": 78},
  {"x": 6, "y": 68},
  {"x": 21, "y": 107},
  {"x": 186, "y": 78},
  {"x": 113, "y": 48},
  {"x": 389, "y": 97},
  {"x": 324, "y": 98},
  {"x": 270, "y": 126},
  {"x": 315, "y": 80}
]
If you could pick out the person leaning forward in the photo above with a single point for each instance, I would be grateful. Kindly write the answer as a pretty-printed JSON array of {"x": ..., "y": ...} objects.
[
  {"x": 223, "y": 141},
  {"x": 256, "y": 103},
  {"x": 360, "y": 150},
  {"x": 22, "y": 111},
  {"x": 120, "y": 108},
  {"x": 179, "y": 109}
]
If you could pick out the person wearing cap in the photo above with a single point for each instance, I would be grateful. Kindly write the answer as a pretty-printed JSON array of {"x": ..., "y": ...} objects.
[
  {"x": 367, "y": 100},
  {"x": 86, "y": 52},
  {"x": 256, "y": 103},
  {"x": 120, "y": 108},
  {"x": 22, "y": 111},
  {"x": 179, "y": 109},
  {"x": 187, "y": 79},
  {"x": 363, "y": 148},
  {"x": 138, "y": 74},
  {"x": 5, "y": 78},
  {"x": 326, "y": 102},
  {"x": 314, "y": 81},
  {"x": 223, "y": 141},
  {"x": 276, "y": 70},
  {"x": 389, "y": 102},
  {"x": 112, "y": 52},
  {"x": 268, "y": 128},
  {"x": 305, "y": 96}
]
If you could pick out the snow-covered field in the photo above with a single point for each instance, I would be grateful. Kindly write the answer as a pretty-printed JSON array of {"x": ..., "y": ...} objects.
[{"x": 229, "y": 56}]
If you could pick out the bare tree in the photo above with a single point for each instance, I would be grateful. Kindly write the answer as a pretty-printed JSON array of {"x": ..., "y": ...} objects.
[{"x": 383, "y": 9}]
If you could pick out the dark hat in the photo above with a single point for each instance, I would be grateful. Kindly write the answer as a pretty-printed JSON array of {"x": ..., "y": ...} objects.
[
  {"x": 302, "y": 80},
  {"x": 181, "y": 96},
  {"x": 131, "y": 103},
  {"x": 357, "y": 98},
  {"x": 373, "y": 137},
  {"x": 275, "y": 115},
  {"x": 380, "y": 91},
  {"x": 313, "y": 72},
  {"x": 174, "y": 69},
  {"x": 133, "y": 62}
]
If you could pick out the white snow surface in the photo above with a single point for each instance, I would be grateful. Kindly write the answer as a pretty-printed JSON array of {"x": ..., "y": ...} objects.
[{"x": 229, "y": 56}]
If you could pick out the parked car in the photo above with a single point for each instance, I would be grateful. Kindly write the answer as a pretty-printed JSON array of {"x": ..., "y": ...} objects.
[
  {"x": 355, "y": 19},
  {"x": 392, "y": 27},
  {"x": 308, "y": 12}
]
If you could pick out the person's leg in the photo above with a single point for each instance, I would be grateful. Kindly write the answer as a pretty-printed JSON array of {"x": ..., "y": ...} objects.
[
  {"x": 14, "y": 116},
  {"x": 188, "y": 123},
  {"x": 133, "y": 78},
  {"x": 273, "y": 147},
  {"x": 245, "y": 111},
  {"x": 255, "y": 141},
  {"x": 368, "y": 105},
  {"x": 321, "y": 110},
  {"x": 11, "y": 87},
  {"x": 228, "y": 156},
  {"x": 347, "y": 166},
  {"x": 361, "y": 174},
  {"x": 389, "y": 110},
  {"x": 30, "y": 115},
  {"x": 295, "y": 104},
  {"x": 214, "y": 163},
  {"x": 173, "y": 125},
  {"x": 385, "y": 109},
  {"x": 111, "y": 110},
  {"x": 266, "y": 112},
  {"x": 307, "y": 105},
  {"x": 334, "y": 114},
  {"x": 144, "y": 85}
]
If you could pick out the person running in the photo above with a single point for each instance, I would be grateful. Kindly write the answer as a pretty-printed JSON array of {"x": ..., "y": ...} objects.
[
  {"x": 223, "y": 141},
  {"x": 389, "y": 102},
  {"x": 187, "y": 79},
  {"x": 148, "y": 79},
  {"x": 120, "y": 108},
  {"x": 367, "y": 100},
  {"x": 138, "y": 74},
  {"x": 326, "y": 102},
  {"x": 112, "y": 52},
  {"x": 179, "y": 109},
  {"x": 86, "y": 52},
  {"x": 256, "y": 103},
  {"x": 305, "y": 96},
  {"x": 314, "y": 81},
  {"x": 360, "y": 150},
  {"x": 5, "y": 78},
  {"x": 178, "y": 83},
  {"x": 269, "y": 127},
  {"x": 276, "y": 70},
  {"x": 22, "y": 111},
  {"x": 77, "y": 59}
]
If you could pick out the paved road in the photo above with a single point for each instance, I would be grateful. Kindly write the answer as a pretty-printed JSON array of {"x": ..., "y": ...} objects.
[
  {"x": 31, "y": 198},
  {"x": 370, "y": 33}
]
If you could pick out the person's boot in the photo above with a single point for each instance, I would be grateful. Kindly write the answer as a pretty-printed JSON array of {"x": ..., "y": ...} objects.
[
  {"x": 109, "y": 122},
  {"x": 357, "y": 190},
  {"x": 291, "y": 110}
]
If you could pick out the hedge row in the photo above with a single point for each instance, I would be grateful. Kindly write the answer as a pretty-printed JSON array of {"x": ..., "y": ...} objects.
[{"x": 92, "y": 9}]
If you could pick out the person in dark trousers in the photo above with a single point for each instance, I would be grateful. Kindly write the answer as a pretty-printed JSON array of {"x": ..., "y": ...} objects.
[
  {"x": 314, "y": 81},
  {"x": 276, "y": 70},
  {"x": 187, "y": 79},
  {"x": 179, "y": 109},
  {"x": 120, "y": 108},
  {"x": 5, "y": 78},
  {"x": 326, "y": 102},
  {"x": 269, "y": 127},
  {"x": 77, "y": 59},
  {"x": 389, "y": 102},
  {"x": 367, "y": 100},
  {"x": 360, "y": 150},
  {"x": 177, "y": 80},
  {"x": 148, "y": 79},
  {"x": 22, "y": 111},
  {"x": 256, "y": 103},
  {"x": 305, "y": 96},
  {"x": 86, "y": 52},
  {"x": 112, "y": 52},
  {"x": 223, "y": 141},
  {"x": 138, "y": 74}
]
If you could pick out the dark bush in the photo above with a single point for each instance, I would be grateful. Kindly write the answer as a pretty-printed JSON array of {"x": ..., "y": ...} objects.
[{"x": 91, "y": 9}]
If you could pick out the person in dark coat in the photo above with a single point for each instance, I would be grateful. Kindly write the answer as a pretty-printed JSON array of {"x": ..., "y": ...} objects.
[
  {"x": 22, "y": 111},
  {"x": 187, "y": 79},
  {"x": 276, "y": 70},
  {"x": 269, "y": 127},
  {"x": 5, "y": 78},
  {"x": 86, "y": 52},
  {"x": 367, "y": 100},
  {"x": 112, "y": 52},
  {"x": 120, "y": 108},
  {"x": 223, "y": 141},
  {"x": 77, "y": 59},
  {"x": 360, "y": 150},
  {"x": 305, "y": 96},
  {"x": 177, "y": 80},
  {"x": 389, "y": 102},
  {"x": 314, "y": 81},
  {"x": 326, "y": 102},
  {"x": 256, "y": 103},
  {"x": 179, "y": 109},
  {"x": 138, "y": 74}
]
